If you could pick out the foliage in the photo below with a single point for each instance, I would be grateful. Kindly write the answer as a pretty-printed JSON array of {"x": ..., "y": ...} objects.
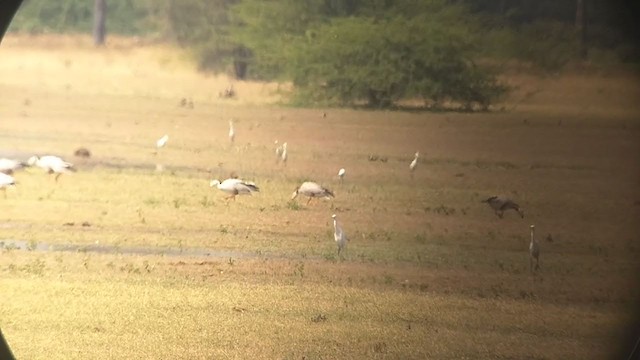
[
  {"x": 383, "y": 61},
  {"x": 127, "y": 17},
  {"x": 352, "y": 51},
  {"x": 549, "y": 45}
]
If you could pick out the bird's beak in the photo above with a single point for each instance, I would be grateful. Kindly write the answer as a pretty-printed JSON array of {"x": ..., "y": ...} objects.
[{"x": 295, "y": 194}]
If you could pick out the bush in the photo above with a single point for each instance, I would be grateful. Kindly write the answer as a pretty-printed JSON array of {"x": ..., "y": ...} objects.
[{"x": 351, "y": 60}]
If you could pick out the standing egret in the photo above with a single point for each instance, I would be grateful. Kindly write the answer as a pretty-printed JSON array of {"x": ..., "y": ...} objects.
[
  {"x": 534, "y": 251},
  {"x": 160, "y": 144},
  {"x": 284, "y": 153},
  {"x": 501, "y": 204},
  {"x": 278, "y": 150},
  {"x": 5, "y": 182},
  {"x": 235, "y": 187},
  {"x": 338, "y": 234},
  {"x": 232, "y": 133},
  {"x": 162, "y": 141},
  {"x": 414, "y": 163},
  {"x": 312, "y": 190},
  {"x": 341, "y": 174},
  {"x": 52, "y": 164}
]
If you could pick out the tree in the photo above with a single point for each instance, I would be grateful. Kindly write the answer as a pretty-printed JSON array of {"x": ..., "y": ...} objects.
[
  {"x": 99, "y": 20},
  {"x": 382, "y": 61}
]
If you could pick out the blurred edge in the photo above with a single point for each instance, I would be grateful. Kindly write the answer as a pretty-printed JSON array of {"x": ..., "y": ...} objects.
[
  {"x": 5, "y": 352},
  {"x": 8, "y": 8}
]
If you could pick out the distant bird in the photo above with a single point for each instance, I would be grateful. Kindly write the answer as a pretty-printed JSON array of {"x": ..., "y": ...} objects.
[
  {"x": 235, "y": 187},
  {"x": 278, "y": 151},
  {"x": 52, "y": 164},
  {"x": 5, "y": 182},
  {"x": 82, "y": 152},
  {"x": 534, "y": 251},
  {"x": 232, "y": 133},
  {"x": 228, "y": 92},
  {"x": 501, "y": 204},
  {"x": 162, "y": 141},
  {"x": 8, "y": 166},
  {"x": 414, "y": 163},
  {"x": 312, "y": 190},
  {"x": 338, "y": 234},
  {"x": 341, "y": 174},
  {"x": 284, "y": 155}
]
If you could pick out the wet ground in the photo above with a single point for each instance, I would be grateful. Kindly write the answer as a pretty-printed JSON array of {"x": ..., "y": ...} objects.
[{"x": 13, "y": 244}]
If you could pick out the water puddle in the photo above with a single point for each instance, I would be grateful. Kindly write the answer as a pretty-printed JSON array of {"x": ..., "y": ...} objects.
[{"x": 12, "y": 244}]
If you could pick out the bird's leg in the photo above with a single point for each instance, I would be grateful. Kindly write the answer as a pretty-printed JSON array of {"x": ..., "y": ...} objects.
[
  {"x": 500, "y": 214},
  {"x": 537, "y": 263},
  {"x": 57, "y": 176},
  {"x": 308, "y": 201}
]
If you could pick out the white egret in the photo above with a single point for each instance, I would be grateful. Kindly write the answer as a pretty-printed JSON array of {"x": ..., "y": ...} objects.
[
  {"x": 284, "y": 155},
  {"x": 278, "y": 151},
  {"x": 232, "y": 132},
  {"x": 312, "y": 190},
  {"x": 414, "y": 163},
  {"x": 534, "y": 251},
  {"x": 501, "y": 204},
  {"x": 235, "y": 187},
  {"x": 338, "y": 234},
  {"x": 5, "y": 182},
  {"x": 162, "y": 141},
  {"x": 52, "y": 164},
  {"x": 341, "y": 174}
]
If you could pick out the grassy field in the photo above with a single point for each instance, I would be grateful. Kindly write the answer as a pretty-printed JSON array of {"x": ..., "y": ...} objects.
[{"x": 429, "y": 272}]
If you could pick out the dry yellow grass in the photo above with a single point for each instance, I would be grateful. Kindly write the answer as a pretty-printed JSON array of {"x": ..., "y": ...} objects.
[{"x": 430, "y": 272}]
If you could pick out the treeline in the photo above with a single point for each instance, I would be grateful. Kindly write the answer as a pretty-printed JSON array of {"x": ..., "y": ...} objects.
[{"x": 347, "y": 52}]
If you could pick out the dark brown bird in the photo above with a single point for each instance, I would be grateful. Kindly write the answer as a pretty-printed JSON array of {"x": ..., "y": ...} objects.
[
  {"x": 501, "y": 204},
  {"x": 82, "y": 152}
]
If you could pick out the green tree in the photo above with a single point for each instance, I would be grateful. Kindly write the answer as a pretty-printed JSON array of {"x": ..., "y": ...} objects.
[{"x": 382, "y": 61}]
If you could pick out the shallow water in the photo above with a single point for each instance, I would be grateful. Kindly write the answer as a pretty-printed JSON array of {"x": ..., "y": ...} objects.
[{"x": 13, "y": 244}]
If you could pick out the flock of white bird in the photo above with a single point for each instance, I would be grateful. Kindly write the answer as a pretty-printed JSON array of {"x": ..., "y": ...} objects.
[
  {"x": 234, "y": 187},
  {"x": 51, "y": 164}
]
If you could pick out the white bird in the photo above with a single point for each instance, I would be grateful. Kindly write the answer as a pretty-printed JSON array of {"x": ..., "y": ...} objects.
[
  {"x": 339, "y": 235},
  {"x": 162, "y": 141},
  {"x": 52, "y": 164},
  {"x": 414, "y": 163},
  {"x": 8, "y": 166},
  {"x": 341, "y": 173},
  {"x": 534, "y": 251},
  {"x": 5, "y": 182},
  {"x": 501, "y": 204},
  {"x": 235, "y": 187},
  {"x": 312, "y": 190},
  {"x": 284, "y": 153},
  {"x": 232, "y": 133},
  {"x": 278, "y": 150}
]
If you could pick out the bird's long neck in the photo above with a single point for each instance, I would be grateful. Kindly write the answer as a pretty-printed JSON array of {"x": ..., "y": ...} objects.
[{"x": 533, "y": 239}]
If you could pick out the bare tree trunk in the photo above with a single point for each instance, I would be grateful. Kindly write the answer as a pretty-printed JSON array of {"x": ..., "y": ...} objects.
[
  {"x": 581, "y": 26},
  {"x": 99, "y": 19}
]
